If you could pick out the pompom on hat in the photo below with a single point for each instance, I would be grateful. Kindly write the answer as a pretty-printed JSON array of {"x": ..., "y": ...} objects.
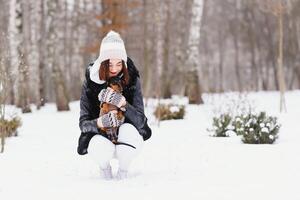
[{"x": 112, "y": 46}]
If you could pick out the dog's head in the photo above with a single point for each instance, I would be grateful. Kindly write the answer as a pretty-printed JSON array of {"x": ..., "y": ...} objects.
[{"x": 115, "y": 83}]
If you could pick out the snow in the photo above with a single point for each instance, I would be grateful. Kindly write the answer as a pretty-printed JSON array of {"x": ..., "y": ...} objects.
[
  {"x": 180, "y": 161},
  {"x": 174, "y": 109},
  {"x": 265, "y": 130}
]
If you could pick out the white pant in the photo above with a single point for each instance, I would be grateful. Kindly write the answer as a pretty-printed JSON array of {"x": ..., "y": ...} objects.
[{"x": 102, "y": 150}]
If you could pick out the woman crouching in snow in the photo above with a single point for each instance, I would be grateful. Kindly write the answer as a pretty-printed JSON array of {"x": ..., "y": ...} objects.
[{"x": 112, "y": 62}]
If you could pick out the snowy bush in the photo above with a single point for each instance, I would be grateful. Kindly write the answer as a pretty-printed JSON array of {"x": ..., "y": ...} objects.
[
  {"x": 226, "y": 108},
  {"x": 256, "y": 128},
  {"x": 221, "y": 125},
  {"x": 234, "y": 115},
  {"x": 169, "y": 111},
  {"x": 253, "y": 128},
  {"x": 8, "y": 128}
]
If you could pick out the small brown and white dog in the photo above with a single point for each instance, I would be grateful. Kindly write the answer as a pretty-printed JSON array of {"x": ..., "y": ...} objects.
[{"x": 116, "y": 84}]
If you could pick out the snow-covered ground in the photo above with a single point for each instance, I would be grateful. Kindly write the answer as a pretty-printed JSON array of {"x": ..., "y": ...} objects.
[{"x": 180, "y": 161}]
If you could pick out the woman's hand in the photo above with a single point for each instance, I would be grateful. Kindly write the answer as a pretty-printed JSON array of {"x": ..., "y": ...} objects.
[
  {"x": 109, "y": 120},
  {"x": 110, "y": 96}
]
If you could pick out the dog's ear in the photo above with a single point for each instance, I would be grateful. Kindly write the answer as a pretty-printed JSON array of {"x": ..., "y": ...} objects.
[
  {"x": 116, "y": 80},
  {"x": 115, "y": 87}
]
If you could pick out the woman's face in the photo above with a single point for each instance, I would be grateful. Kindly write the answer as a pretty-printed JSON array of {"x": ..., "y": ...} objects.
[{"x": 115, "y": 67}]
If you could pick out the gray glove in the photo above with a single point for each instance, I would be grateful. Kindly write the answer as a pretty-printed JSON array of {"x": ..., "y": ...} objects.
[
  {"x": 110, "y": 96},
  {"x": 109, "y": 120}
]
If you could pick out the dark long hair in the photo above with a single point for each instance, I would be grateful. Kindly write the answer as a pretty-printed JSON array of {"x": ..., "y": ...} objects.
[{"x": 104, "y": 72}]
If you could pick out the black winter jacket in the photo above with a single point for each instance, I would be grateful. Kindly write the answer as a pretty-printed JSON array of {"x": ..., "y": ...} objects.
[{"x": 89, "y": 107}]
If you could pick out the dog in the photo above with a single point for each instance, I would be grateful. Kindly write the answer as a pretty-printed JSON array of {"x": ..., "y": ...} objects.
[{"x": 116, "y": 84}]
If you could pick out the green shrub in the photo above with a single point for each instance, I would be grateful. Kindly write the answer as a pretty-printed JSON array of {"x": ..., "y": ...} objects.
[
  {"x": 170, "y": 111},
  {"x": 253, "y": 128},
  {"x": 221, "y": 125},
  {"x": 256, "y": 128}
]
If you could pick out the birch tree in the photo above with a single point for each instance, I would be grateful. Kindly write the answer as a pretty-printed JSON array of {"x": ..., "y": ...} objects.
[
  {"x": 193, "y": 89},
  {"x": 36, "y": 51},
  {"x": 18, "y": 56},
  {"x": 61, "y": 95},
  {"x": 159, "y": 48}
]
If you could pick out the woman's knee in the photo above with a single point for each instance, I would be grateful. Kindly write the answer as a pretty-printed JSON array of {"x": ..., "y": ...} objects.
[
  {"x": 101, "y": 150},
  {"x": 130, "y": 135},
  {"x": 100, "y": 144}
]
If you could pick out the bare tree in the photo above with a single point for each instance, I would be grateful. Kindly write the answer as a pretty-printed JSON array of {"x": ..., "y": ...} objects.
[
  {"x": 279, "y": 12},
  {"x": 18, "y": 54},
  {"x": 277, "y": 8},
  {"x": 159, "y": 20},
  {"x": 234, "y": 29},
  {"x": 61, "y": 94},
  {"x": 193, "y": 87},
  {"x": 147, "y": 76}
]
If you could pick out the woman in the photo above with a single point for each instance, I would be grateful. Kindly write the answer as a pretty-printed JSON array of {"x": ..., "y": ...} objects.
[{"x": 112, "y": 62}]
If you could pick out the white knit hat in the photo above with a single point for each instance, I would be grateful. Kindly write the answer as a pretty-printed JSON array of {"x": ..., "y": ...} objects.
[{"x": 112, "y": 46}]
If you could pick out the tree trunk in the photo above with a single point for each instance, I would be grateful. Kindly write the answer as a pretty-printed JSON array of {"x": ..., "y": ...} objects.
[
  {"x": 166, "y": 82},
  {"x": 297, "y": 28},
  {"x": 61, "y": 96},
  {"x": 193, "y": 89},
  {"x": 271, "y": 48},
  {"x": 23, "y": 89},
  {"x": 252, "y": 47},
  {"x": 159, "y": 47},
  {"x": 221, "y": 61},
  {"x": 193, "y": 86},
  {"x": 146, "y": 51},
  {"x": 280, "y": 58}
]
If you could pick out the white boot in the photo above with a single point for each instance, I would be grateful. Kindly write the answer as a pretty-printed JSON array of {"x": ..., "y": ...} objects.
[
  {"x": 106, "y": 173},
  {"x": 122, "y": 174},
  {"x": 101, "y": 151},
  {"x": 125, "y": 154}
]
